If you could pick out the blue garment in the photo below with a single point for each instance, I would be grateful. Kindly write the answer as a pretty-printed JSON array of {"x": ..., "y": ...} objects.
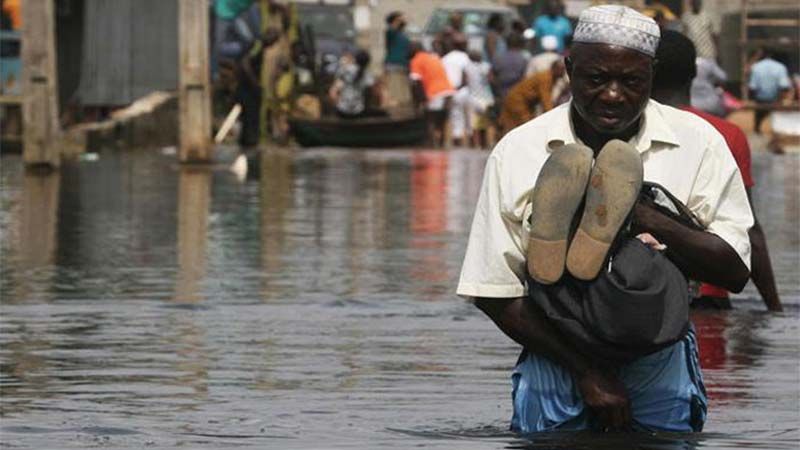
[
  {"x": 558, "y": 26},
  {"x": 665, "y": 389},
  {"x": 233, "y": 37},
  {"x": 397, "y": 45},
  {"x": 767, "y": 78},
  {"x": 509, "y": 69},
  {"x": 229, "y": 9}
]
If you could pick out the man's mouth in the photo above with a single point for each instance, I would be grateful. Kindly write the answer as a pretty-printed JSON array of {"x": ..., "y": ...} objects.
[{"x": 609, "y": 118}]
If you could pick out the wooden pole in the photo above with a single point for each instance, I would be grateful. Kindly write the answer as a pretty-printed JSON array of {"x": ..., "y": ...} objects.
[
  {"x": 194, "y": 96},
  {"x": 194, "y": 203},
  {"x": 39, "y": 85}
]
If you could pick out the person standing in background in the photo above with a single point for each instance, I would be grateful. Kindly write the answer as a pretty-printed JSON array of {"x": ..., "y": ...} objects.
[
  {"x": 397, "y": 41},
  {"x": 249, "y": 88},
  {"x": 443, "y": 42},
  {"x": 509, "y": 68},
  {"x": 276, "y": 69},
  {"x": 707, "y": 87},
  {"x": 553, "y": 23},
  {"x": 396, "y": 61},
  {"x": 427, "y": 70},
  {"x": 495, "y": 44},
  {"x": 769, "y": 80},
  {"x": 671, "y": 86},
  {"x": 226, "y": 13},
  {"x": 700, "y": 29},
  {"x": 481, "y": 100},
  {"x": 455, "y": 64}
]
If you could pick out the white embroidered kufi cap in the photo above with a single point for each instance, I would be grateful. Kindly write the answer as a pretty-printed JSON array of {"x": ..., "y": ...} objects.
[{"x": 618, "y": 25}]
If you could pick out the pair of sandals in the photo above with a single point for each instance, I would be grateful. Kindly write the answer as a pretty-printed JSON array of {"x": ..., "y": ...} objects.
[{"x": 607, "y": 188}]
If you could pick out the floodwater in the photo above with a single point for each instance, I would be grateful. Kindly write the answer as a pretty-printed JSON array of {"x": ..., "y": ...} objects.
[{"x": 311, "y": 306}]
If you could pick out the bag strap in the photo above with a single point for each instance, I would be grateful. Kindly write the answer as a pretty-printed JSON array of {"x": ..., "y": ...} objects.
[{"x": 683, "y": 214}]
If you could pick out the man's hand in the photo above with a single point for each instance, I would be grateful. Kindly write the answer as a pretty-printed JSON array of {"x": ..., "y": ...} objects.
[
  {"x": 605, "y": 395},
  {"x": 700, "y": 255},
  {"x": 651, "y": 242}
]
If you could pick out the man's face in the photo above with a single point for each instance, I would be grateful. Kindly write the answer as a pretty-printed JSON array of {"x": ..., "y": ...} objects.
[
  {"x": 553, "y": 7},
  {"x": 610, "y": 85}
]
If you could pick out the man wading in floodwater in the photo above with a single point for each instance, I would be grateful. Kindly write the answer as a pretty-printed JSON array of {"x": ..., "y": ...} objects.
[{"x": 521, "y": 246}]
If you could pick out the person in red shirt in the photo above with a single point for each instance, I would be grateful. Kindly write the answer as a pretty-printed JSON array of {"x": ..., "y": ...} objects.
[
  {"x": 675, "y": 70},
  {"x": 428, "y": 72}
]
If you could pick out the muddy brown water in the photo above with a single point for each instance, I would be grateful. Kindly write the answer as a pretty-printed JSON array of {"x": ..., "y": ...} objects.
[{"x": 311, "y": 306}]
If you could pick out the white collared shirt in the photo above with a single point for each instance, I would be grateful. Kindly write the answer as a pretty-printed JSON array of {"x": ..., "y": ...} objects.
[{"x": 679, "y": 150}]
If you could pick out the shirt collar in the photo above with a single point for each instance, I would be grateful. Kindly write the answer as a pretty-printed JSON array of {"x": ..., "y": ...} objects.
[{"x": 654, "y": 129}]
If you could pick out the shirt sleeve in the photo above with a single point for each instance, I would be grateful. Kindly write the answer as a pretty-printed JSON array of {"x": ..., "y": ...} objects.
[
  {"x": 719, "y": 75},
  {"x": 720, "y": 201},
  {"x": 494, "y": 265},
  {"x": 784, "y": 81},
  {"x": 752, "y": 84},
  {"x": 414, "y": 69}
]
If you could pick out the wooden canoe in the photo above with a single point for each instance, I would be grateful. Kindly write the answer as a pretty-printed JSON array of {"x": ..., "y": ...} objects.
[{"x": 363, "y": 132}]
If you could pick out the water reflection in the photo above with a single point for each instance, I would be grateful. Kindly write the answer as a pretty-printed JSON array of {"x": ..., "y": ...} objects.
[
  {"x": 275, "y": 198},
  {"x": 31, "y": 237},
  {"x": 148, "y": 305},
  {"x": 38, "y": 220},
  {"x": 194, "y": 200}
]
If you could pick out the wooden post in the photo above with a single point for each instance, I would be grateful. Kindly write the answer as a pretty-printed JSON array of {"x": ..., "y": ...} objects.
[
  {"x": 39, "y": 84},
  {"x": 194, "y": 203},
  {"x": 194, "y": 96}
]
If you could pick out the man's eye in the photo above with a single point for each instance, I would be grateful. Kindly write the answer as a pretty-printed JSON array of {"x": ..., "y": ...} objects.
[
  {"x": 633, "y": 81},
  {"x": 596, "y": 79}
]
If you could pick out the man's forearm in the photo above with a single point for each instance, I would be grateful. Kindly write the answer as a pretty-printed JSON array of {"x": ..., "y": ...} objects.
[
  {"x": 700, "y": 255},
  {"x": 526, "y": 326},
  {"x": 762, "y": 275},
  {"x": 601, "y": 390}
]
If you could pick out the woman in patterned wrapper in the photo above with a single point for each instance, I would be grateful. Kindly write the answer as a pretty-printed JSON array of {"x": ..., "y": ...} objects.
[{"x": 355, "y": 89}]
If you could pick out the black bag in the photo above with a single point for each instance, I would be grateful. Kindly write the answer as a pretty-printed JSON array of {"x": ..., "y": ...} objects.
[{"x": 637, "y": 306}]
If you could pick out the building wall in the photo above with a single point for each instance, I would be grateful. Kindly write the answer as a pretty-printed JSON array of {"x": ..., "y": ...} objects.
[{"x": 130, "y": 48}]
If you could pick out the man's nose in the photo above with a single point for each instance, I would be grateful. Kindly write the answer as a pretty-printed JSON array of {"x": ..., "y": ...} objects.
[{"x": 612, "y": 93}]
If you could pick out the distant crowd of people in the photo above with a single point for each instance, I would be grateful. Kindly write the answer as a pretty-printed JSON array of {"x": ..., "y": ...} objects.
[
  {"x": 471, "y": 91},
  {"x": 472, "y": 96}
]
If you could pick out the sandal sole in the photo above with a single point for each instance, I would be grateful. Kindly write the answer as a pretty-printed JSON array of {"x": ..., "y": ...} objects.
[
  {"x": 556, "y": 197},
  {"x": 613, "y": 189}
]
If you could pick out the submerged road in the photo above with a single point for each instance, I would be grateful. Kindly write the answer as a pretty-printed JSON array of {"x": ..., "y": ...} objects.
[{"x": 311, "y": 306}]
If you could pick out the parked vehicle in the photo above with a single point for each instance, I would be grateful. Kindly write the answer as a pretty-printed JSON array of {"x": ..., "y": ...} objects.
[
  {"x": 333, "y": 30},
  {"x": 476, "y": 16}
]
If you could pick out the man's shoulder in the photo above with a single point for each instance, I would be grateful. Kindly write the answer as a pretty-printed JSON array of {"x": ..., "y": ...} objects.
[
  {"x": 683, "y": 122},
  {"x": 765, "y": 65},
  {"x": 456, "y": 57},
  {"x": 693, "y": 133},
  {"x": 726, "y": 128}
]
